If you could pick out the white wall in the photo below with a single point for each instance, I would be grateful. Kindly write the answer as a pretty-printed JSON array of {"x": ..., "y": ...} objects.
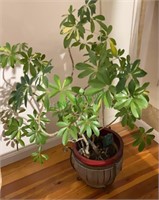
[
  {"x": 37, "y": 23},
  {"x": 150, "y": 51},
  {"x": 118, "y": 13}
]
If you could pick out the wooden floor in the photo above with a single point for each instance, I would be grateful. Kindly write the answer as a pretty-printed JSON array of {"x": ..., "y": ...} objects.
[{"x": 57, "y": 180}]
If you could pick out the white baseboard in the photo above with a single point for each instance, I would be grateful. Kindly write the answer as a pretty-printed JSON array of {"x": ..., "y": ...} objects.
[
  {"x": 15, "y": 155},
  {"x": 146, "y": 126}
]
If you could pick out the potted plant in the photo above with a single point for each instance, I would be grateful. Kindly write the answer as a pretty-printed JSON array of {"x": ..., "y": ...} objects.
[{"x": 113, "y": 82}]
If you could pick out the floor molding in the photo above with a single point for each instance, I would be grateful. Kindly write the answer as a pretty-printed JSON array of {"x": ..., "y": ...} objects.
[
  {"x": 15, "y": 155},
  {"x": 146, "y": 126}
]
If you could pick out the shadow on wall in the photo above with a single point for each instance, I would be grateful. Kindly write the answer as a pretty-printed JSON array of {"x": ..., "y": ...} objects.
[{"x": 5, "y": 111}]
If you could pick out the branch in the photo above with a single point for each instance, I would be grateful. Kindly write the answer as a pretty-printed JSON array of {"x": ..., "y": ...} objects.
[
  {"x": 35, "y": 102},
  {"x": 72, "y": 61},
  {"x": 87, "y": 144},
  {"x": 74, "y": 141},
  {"x": 51, "y": 134},
  {"x": 109, "y": 124},
  {"x": 86, "y": 87},
  {"x": 103, "y": 116},
  {"x": 5, "y": 79}
]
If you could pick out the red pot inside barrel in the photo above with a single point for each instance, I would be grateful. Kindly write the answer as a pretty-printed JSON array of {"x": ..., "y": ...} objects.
[{"x": 109, "y": 161}]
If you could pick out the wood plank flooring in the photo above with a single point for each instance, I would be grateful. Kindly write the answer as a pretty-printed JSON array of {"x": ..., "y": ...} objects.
[{"x": 57, "y": 180}]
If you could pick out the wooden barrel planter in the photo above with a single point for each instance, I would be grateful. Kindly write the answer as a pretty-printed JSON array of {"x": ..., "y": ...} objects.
[{"x": 99, "y": 173}]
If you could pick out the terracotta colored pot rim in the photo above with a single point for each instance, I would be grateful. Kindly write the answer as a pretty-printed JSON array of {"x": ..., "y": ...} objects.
[{"x": 100, "y": 163}]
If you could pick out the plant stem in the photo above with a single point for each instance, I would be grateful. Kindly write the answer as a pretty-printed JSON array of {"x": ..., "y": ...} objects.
[
  {"x": 87, "y": 144},
  {"x": 112, "y": 122},
  {"x": 103, "y": 114},
  {"x": 109, "y": 124},
  {"x": 5, "y": 79},
  {"x": 74, "y": 141},
  {"x": 72, "y": 61},
  {"x": 31, "y": 103},
  {"x": 51, "y": 134},
  {"x": 35, "y": 102},
  {"x": 86, "y": 87}
]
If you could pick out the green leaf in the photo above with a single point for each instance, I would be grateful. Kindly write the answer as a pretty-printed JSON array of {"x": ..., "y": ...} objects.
[
  {"x": 89, "y": 131},
  {"x": 149, "y": 139},
  {"x": 45, "y": 81},
  {"x": 47, "y": 69},
  {"x": 99, "y": 17},
  {"x": 32, "y": 70},
  {"x": 134, "y": 110},
  {"x": 85, "y": 73},
  {"x": 95, "y": 130},
  {"x": 92, "y": 58},
  {"x": 20, "y": 122},
  {"x": 67, "y": 82},
  {"x": 32, "y": 138},
  {"x": 46, "y": 102},
  {"x": 142, "y": 130},
  {"x": 92, "y": 26},
  {"x": 25, "y": 99},
  {"x": 109, "y": 98},
  {"x": 57, "y": 81},
  {"x": 135, "y": 64},
  {"x": 4, "y": 61},
  {"x": 121, "y": 84},
  {"x": 89, "y": 37},
  {"x": 136, "y": 142},
  {"x": 150, "y": 130},
  {"x": 70, "y": 96},
  {"x": 62, "y": 124},
  {"x": 76, "y": 89},
  {"x": 102, "y": 25},
  {"x": 95, "y": 83},
  {"x": 142, "y": 88},
  {"x": 45, "y": 156},
  {"x": 40, "y": 97},
  {"x": 62, "y": 97},
  {"x": 82, "y": 129},
  {"x": 76, "y": 44},
  {"x": 82, "y": 46},
  {"x": 8, "y": 46},
  {"x": 113, "y": 48},
  {"x": 67, "y": 42},
  {"x": 40, "y": 88},
  {"x": 70, "y": 10},
  {"x": 92, "y": 91},
  {"x": 30, "y": 51},
  {"x": 61, "y": 131},
  {"x": 13, "y": 135},
  {"x": 12, "y": 61},
  {"x": 141, "y": 101},
  {"x": 131, "y": 87},
  {"x": 109, "y": 29},
  {"x": 140, "y": 73},
  {"x": 141, "y": 146},
  {"x": 83, "y": 66},
  {"x": 65, "y": 138},
  {"x": 53, "y": 92},
  {"x": 21, "y": 142},
  {"x": 73, "y": 133}
]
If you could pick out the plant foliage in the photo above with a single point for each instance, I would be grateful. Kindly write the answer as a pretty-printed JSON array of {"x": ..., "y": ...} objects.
[{"x": 113, "y": 80}]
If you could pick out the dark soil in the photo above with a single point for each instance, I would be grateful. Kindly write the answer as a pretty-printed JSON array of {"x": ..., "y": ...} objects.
[{"x": 101, "y": 151}]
